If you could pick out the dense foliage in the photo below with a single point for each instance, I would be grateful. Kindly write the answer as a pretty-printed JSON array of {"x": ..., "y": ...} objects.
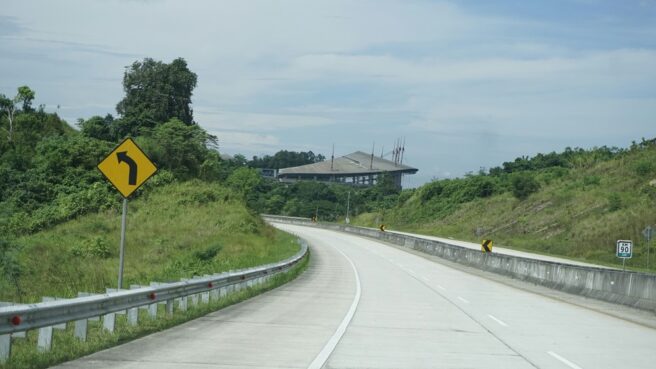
[
  {"x": 576, "y": 204},
  {"x": 285, "y": 159}
]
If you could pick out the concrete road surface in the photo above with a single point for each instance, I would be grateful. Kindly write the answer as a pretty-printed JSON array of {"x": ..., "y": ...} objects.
[{"x": 363, "y": 304}]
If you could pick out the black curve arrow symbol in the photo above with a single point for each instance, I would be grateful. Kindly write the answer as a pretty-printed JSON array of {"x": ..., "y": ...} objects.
[{"x": 123, "y": 157}]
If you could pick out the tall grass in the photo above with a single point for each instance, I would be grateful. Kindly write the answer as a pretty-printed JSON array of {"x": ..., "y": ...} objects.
[
  {"x": 66, "y": 347},
  {"x": 578, "y": 212},
  {"x": 175, "y": 231}
]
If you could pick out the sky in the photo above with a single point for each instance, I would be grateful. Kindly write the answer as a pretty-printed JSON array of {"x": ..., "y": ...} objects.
[{"x": 469, "y": 84}]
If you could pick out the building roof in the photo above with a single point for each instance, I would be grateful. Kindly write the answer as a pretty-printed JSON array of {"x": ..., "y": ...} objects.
[{"x": 357, "y": 163}]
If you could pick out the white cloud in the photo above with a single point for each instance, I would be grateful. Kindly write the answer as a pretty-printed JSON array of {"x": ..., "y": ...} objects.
[
  {"x": 245, "y": 141},
  {"x": 287, "y": 73},
  {"x": 214, "y": 119}
]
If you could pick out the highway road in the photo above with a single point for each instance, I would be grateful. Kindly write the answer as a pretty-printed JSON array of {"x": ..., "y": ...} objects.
[{"x": 364, "y": 304}]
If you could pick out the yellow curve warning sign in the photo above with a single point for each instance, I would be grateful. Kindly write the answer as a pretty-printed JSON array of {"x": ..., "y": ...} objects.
[
  {"x": 127, "y": 167},
  {"x": 486, "y": 246}
]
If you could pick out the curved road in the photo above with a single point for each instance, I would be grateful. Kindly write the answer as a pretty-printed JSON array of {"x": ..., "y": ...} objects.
[{"x": 363, "y": 304}]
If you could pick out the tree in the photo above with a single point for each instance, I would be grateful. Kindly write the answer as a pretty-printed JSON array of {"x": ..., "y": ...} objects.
[
  {"x": 155, "y": 92},
  {"x": 244, "y": 180},
  {"x": 285, "y": 159},
  {"x": 98, "y": 127},
  {"x": 24, "y": 96},
  {"x": 177, "y": 147}
]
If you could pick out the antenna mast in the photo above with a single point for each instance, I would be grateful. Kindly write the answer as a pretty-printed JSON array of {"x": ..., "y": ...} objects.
[
  {"x": 371, "y": 164},
  {"x": 332, "y": 159}
]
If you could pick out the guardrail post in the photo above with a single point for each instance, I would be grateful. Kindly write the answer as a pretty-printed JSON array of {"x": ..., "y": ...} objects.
[
  {"x": 182, "y": 303},
  {"x": 86, "y": 294},
  {"x": 81, "y": 329},
  {"x": 133, "y": 313},
  {"x": 194, "y": 300},
  {"x": 169, "y": 307},
  {"x": 49, "y": 299},
  {"x": 44, "y": 342},
  {"x": 109, "y": 320},
  {"x": 5, "y": 347},
  {"x": 110, "y": 290},
  {"x": 152, "y": 310},
  {"x": 215, "y": 294}
]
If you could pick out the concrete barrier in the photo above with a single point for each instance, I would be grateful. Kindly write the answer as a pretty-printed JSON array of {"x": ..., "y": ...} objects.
[{"x": 633, "y": 289}]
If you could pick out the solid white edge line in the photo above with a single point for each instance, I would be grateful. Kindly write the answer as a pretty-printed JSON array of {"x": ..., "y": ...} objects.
[
  {"x": 328, "y": 349},
  {"x": 463, "y": 300},
  {"x": 497, "y": 320},
  {"x": 563, "y": 360}
]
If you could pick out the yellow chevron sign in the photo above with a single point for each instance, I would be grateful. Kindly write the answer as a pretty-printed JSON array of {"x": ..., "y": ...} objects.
[{"x": 486, "y": 246}]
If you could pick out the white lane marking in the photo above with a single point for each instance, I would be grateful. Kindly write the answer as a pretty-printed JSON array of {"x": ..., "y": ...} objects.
[
  {"x": 497, "y": 320},
  {"x": 463, "y": 300},
  {"x": 563, "y": 360},
  {"x": 328, "y": 349},
  {"x": 426, "y": 279},
  {"x": 440, "y": 287}
]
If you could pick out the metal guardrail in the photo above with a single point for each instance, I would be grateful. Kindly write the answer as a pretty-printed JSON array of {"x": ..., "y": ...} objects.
[{"x": 46, "y": 315}]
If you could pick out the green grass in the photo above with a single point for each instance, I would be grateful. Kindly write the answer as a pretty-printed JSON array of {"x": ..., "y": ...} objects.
[
  {"x": 578, "y": 213},
  {"x": 174, "y": 231},
  {"x": 66, "y": 347}
]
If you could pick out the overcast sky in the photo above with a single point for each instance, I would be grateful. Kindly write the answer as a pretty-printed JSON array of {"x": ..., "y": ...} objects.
[{"x": 469, "y": 83}]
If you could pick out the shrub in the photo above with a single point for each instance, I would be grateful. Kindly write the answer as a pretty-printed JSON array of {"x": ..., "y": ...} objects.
[
  {"x": 96, "y": 247},
  {"x": 208, "y": 253},
  {"x": 614, "y": 202},
  {"x": 523, "y": 185},
  {"x": 430, "y": 191},
  {"x": 643, "y": 168},
  {"x": 591, "y": 180}
]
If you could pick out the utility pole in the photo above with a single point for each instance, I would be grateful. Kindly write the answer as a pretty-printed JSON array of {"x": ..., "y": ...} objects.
[
  {"x": 371, "y": 164},
  {"x": 332, "y": 158},
  {"x": 348, "y": 208}
]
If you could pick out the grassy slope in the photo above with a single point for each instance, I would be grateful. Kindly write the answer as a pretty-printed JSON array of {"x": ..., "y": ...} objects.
[
  {"x": 174, "y": 231},
  {"x": 571, "y": 216}
]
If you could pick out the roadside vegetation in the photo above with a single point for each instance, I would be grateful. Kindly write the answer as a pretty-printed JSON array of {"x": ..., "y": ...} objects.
[
  {"x": 60, "y": 219},
  {"x": 178, "y": 230},
  {"x": 66, "y": 347},
  {"x": 574, "y": 204}
]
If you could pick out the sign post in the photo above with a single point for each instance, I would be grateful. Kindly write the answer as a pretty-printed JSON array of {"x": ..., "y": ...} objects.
[
  {"x": 648, "y": 232},
  {"x": 624, "y": 250},
  {"x": 127, "y": 168}
]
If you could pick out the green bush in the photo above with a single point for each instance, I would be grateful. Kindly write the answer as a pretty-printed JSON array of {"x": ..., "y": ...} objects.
[
  {"x": 523, "y": 185},
  {"x": 94, "y": 247},
  {"x": 644, "y": 167},
  {"x": 208, "y": 253},
  {"x": 614, "y": 202},
  {"x": 591, "y": 180}
]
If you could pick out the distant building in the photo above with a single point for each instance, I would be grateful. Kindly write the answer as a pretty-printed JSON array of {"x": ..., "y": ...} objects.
[
  {"x": 357, "y": 169},
  {"x": 268, "y": 173}
]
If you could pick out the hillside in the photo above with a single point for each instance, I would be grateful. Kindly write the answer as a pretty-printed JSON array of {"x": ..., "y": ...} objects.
[
  {"x": 174, "y": 231},
  {"x": 575, "y": 204}
]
